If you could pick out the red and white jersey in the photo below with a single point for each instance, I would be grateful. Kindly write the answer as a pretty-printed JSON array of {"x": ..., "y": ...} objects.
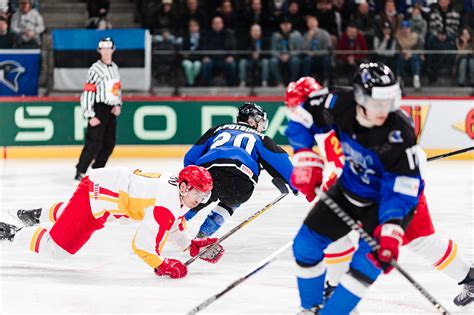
[
  {"x": 330, "y": 148},
  {"x": 152, "y": 198}
]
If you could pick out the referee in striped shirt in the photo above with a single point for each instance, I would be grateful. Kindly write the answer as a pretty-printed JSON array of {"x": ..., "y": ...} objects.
[{"x": 101, "y": 102}]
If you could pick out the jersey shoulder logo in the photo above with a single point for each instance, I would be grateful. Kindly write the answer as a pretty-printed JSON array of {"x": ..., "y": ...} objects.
[{"x": 395, "y": 136}]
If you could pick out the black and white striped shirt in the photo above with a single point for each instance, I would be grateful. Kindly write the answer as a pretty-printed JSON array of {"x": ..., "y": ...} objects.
[{"x": 103, "y": 86}]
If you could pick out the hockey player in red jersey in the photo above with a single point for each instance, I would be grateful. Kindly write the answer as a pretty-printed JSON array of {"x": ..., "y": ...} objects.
[
  {"x": 420, "y": 236},
  {"x": 158, "y": 200}
]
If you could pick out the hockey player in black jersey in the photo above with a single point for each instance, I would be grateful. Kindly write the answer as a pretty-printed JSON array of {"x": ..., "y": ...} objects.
[
  {"x": 379, "y": 186},
  {"x": 234, "y": 154}
]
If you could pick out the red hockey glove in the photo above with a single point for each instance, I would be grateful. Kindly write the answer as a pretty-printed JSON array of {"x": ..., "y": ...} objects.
[
  {"x": 171, "y": 267},
  {"x": 213, "y": 255},
  {"x": 390, "y": 237},
  {"x": 307, "y": 172}
]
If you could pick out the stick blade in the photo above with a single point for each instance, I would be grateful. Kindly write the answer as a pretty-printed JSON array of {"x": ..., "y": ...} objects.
[{"x": 280, "y": 184}]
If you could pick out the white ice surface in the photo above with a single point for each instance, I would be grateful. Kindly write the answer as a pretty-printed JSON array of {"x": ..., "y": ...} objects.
[{"x": 104, "y": 277}]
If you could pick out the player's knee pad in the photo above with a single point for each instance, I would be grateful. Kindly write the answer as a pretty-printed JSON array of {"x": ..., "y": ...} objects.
[
  {"x": 308, "y": 246},
  {"x": 362, "y": 264}
]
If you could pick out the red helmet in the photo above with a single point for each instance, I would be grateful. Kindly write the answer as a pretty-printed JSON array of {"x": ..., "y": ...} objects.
[
  {"x": 297, "y": 92},
  {"x": 197, "y": 177}
]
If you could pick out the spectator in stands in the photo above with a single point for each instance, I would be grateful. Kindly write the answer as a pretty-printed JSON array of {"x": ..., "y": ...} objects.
[
  {"x": 385, "y": 46},
  {"x": 164, "y": 63},
  {"x": 326, "y": 15},
  {"x": 226, "y": 11},
  {"x": 221, "y": 41},
  {"x": 351, "y": 39},
  {"x": 294, "y": 15},
  {"x": 317, "y": 40},
  {"x": 443, "y": 26},
  {"x": 274, "y": 9},
  {"x": 14, "y": 5},
  {"x": 364, "y": 20},
  {"x": 443, "y": 19},
  {"x": 418, "y": 23},
  {"x": 146, "y": 12},
  {"x": 192, "y": 11},
  {"x": 191, "y": 62},
  {"x": 285, "y": 47},
  {"x": 423, "y": 5},
  {"x": 407, "y": 41},
  {"x": 98, "y": 11},
  {"x": 468, "y": 14},
  {"x": 28, "y": 25},
  {"x": 465, "y": 60},
  {"x": 7, "y": 38},
  {"x": 4, "y": 8},
  {"x": 254, "y": 15},
  {"x": 389, "y": 15},
  {"x": 166, "y": 18},
  {"x": 256, "y": 61},
  {"x": 344, "y": 10}
]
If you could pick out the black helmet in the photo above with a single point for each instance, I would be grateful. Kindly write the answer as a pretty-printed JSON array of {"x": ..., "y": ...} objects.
[
  {"x": 252, "y": 111},
  {"x": 106, "y": 42},
  {"x": 376, "y": 80}
]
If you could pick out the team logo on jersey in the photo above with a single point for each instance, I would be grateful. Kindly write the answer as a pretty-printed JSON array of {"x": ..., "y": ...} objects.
[
  {"x": 395, "y": 136},
  {"x": 10, "y": 72}
]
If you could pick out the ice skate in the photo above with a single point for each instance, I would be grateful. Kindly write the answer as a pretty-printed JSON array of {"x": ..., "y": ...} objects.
[
  {"x": 312, "y": 311},
  {"x": 7, "y": 231},
  {"x": 28, "y": 217},
  {"x": 466, "y": 296}
]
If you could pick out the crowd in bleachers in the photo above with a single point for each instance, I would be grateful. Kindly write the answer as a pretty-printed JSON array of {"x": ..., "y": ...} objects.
[
  {"x": 272, "y": 42},
  {"x": 275, "y": 41},
  {"x": 21, "y": 24}
]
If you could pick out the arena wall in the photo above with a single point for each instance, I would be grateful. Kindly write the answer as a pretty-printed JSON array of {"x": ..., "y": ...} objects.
[{"x": 53, "y": 127}]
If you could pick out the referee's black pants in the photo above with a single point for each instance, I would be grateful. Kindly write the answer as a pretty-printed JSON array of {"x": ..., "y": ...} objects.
[{"x": 100, "y": 140}]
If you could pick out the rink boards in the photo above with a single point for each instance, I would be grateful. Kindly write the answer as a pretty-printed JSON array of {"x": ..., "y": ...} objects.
[{"x": 166, "y": 126}]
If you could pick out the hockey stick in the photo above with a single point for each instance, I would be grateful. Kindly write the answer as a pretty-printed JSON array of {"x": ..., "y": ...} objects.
[
  {"x": 347, "y": 219},
  {"x": 250, "y": 273},
  {"x": 280, "y": 184},
  {"x": 442, "y": 156}
]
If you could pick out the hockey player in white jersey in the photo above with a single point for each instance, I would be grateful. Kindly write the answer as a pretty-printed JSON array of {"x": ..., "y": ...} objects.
[{"x": 158, "y": 200}]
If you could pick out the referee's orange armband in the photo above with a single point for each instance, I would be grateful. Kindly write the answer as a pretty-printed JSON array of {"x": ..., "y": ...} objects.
[{"x": 90, "y": 87}]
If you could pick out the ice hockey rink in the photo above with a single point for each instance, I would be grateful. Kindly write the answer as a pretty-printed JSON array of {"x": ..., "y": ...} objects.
[{"x": 105, "y": 277}]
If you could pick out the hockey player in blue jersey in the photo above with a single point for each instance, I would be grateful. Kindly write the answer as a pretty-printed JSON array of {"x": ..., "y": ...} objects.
[
  {"x": 234, "y": 154},
  {"x": 379, "y": 185}
]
